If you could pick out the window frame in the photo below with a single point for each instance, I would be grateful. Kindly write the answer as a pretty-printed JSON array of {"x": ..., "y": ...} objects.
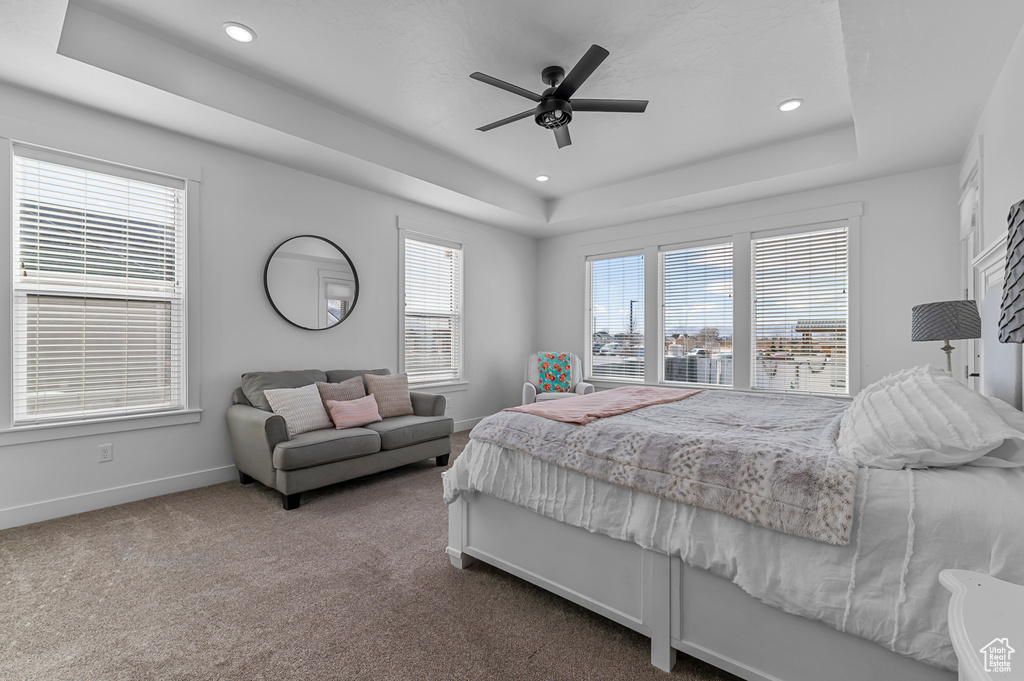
[
  {"x": 751, "y": 359},
  {"x": 405, "y": 234},
  {"x": 191, "y": 410},
  {"x": 588, "y": 355},
  {"x": 741, "y": 233}
]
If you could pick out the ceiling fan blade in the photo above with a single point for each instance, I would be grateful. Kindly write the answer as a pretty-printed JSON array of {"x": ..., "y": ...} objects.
[
  {"x": 613, "y": 105},
  {"x": 562, "y": 136},
  {"x": 503, "y": 121},
  {"x": 514, "y": 89},
  {"x": 584, "y": 67}
]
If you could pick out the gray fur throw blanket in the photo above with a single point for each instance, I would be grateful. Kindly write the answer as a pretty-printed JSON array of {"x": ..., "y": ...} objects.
[{"x": 767, "y": 459}]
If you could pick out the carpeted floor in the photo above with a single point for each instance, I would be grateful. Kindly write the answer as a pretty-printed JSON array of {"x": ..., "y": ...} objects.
[{"x": 222, "y": 583}]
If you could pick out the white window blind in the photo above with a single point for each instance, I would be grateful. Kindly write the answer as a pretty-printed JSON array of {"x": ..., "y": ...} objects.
[
  {"x": 801, "y": 312},
  {"x": 98, "y": 291},
  {"x": 433, "y": 311},
  {"x": 697, "y": 311},
  {"x": 617, "y": 317}
]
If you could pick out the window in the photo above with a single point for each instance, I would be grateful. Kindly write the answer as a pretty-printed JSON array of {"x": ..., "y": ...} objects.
[
  {"x": 617, "y": 317},
  {"x": 771, "y": 308},
  {"x": 432, "y": 318},
  {"x": 800, "y": 312},
  {"x": 98, "y": 289},
  {"x": 697, "y": 300}
]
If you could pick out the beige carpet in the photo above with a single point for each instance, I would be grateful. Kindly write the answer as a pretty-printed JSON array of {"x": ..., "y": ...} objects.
[{"x": 222, "y": 583}]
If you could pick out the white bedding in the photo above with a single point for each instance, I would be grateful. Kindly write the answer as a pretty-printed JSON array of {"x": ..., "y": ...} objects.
[{"x": 883, "y": 585}]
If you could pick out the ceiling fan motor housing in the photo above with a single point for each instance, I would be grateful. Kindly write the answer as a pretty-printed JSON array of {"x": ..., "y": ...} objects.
[{"x": 553, "y": 113}]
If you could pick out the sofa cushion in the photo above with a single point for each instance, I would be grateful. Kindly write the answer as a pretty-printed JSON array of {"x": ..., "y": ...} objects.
[
  {"x": 402, "y": 431},
  {"x": 324, "y": 446},
  {"x": 339, "y": 375},
  {"x": 350, "y": 389},
  {"x": 254, "y": 383},
  {"x": 391, "y": 393}
]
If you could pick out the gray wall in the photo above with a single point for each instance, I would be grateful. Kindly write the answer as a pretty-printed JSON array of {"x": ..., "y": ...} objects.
[
  {"x": 247, "y": 207},
  {"x": 909, "y": 241}
]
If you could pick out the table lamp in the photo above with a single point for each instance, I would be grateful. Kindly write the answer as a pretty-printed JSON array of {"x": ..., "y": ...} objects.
[{"x": 946, "y": 321}]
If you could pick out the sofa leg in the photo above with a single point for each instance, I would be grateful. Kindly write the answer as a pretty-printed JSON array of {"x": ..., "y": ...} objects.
[
  {"x": 443, "y": 459},
  {"x": 291, "y": 501},
  {"x": 245, "y": 479}
]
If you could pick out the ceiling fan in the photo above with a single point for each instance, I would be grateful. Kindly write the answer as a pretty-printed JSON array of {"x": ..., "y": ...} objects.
[{"x": 555, "y": 105}]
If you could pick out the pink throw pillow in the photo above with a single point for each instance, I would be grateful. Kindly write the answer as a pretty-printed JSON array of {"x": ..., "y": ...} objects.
[{"x": 352, "y": 413}]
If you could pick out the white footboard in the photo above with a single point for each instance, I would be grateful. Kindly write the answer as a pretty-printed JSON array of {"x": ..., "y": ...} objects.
[{"x": 678, "y": 607}]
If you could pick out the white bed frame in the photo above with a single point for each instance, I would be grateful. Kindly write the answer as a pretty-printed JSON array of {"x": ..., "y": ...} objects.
[{"x": 679, "y": 607}]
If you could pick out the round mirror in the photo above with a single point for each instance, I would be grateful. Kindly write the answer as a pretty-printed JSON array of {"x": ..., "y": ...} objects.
[{"x": 311, "y": 282}]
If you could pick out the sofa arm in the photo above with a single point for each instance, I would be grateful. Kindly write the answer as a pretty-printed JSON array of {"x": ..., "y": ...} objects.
[
  {"x": 254, "y": 433},
  {"x": 529, "y": 393},
  {"x": 428, "y": 404},
  {"x": 584, "y": 388}
]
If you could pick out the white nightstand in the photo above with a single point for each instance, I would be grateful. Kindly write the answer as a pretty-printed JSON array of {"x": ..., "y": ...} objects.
[{"x": 986, "y": 625}]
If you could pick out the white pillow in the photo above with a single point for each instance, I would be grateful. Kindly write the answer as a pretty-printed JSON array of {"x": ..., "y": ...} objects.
[
  {"x": 923, "y": 417},
  {"x": 302, "y": 408}
]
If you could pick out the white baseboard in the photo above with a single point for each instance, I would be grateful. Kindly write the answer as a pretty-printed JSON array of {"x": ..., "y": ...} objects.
[
  {"x": 467, "y": 424},
  {"x": 90, "y": 501}
]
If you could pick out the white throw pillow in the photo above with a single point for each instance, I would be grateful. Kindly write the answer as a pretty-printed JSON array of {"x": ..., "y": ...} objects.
[
  {"x": 923, "y": 417},
  {"x": 302, "y": 408}
]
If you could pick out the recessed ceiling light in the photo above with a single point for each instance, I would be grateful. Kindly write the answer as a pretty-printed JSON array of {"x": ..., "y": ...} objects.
[
  {"x": 242, "y": 34},
  {"x": 790, "y": 104},
  {"x": 543, "y": 178}
]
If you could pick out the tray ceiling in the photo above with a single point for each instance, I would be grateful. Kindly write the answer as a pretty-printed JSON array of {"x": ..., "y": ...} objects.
[{"x": 377, "y": 93}]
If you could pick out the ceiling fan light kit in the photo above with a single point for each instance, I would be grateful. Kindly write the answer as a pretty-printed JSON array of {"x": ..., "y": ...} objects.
[{"x": 554, "y": 108}]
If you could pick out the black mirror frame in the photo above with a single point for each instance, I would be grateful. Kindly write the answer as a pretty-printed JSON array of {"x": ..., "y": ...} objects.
[{"x": 270, "y": 299}]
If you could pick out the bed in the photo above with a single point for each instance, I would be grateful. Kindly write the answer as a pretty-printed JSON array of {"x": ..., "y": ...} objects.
[{"x": 760, "y": 603}]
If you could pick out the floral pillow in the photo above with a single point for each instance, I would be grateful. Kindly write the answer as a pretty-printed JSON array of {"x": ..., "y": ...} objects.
[{"x": 555, "y": 371}]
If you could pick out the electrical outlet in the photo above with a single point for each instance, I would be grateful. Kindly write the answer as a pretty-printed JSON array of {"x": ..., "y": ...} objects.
[
  {"x": 105, "y": 452},
  {"x": 449, "y": 404}
]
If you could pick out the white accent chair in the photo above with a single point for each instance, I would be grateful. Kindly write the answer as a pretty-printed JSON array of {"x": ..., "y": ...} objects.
[{"x": 533, "y": 392}]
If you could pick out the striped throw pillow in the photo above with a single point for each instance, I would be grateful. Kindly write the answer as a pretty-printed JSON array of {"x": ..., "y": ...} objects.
[
  {"x": 352, "y": 413},
  {"x": 391, "y": 392},
  {"x": 352, "y": 389},
  {"x": 301, "y": 408}
]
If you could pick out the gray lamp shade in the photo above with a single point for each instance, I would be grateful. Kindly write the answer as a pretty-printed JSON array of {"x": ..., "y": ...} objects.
[
  {"x": 945, "y": 321},
  {"x": 1011, "y": 315}
]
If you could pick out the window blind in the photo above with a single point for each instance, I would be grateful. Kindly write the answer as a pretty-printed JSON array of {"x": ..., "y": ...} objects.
[
  {"x": 433, "y": 312},
  {"x": 801, "y": 312},
  {"x": 697, "y": 314},
  {"x": 98, "y": 293},
  {"x": 617, "y": 317}
]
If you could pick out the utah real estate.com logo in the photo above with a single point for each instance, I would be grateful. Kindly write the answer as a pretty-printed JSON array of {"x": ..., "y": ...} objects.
[{"x": 997, "y": 655}]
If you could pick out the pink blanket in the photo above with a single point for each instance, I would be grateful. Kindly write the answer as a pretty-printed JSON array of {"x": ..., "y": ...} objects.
[{"x": 583, "y": 409}]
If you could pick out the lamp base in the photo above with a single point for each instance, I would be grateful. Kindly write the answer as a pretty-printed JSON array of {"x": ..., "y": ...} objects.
[{"x": 949, "y": 356}]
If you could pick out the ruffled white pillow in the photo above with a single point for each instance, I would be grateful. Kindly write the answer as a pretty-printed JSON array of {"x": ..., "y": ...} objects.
[{"x": 923, "y": 417}]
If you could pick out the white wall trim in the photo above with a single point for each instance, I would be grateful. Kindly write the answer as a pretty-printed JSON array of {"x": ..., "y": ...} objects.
[
  {"x": 6, "y": 283},
  {"x": 64, "y": 429},
  {"x": 410, "y": 229},
  {"x": 684, "y": 236},
  {"x": 90, "y": 501},
  {"x": 468, "y": 424}
]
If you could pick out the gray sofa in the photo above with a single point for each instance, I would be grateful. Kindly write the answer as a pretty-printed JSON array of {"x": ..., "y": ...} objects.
[{"x": 263, "y": 450}]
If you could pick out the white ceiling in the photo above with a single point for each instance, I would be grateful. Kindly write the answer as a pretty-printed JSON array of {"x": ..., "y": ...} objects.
[{"x": 377, "y": 93}]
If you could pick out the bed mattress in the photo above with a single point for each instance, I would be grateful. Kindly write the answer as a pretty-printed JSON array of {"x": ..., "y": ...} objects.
[{"x": 883, "y": 586}]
